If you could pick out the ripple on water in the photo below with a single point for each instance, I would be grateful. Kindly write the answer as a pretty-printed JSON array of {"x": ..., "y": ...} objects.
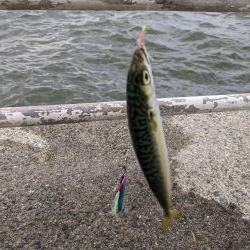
[
  {"x": 67, "y": 57},
  {"x": 194, "y": 36},
  {"x": 243, "y": 79},
  {"x": 207, "y": 25}
]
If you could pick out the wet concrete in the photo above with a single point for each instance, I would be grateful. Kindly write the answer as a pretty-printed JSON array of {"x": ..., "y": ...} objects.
[{"x": 56, "y": 186}]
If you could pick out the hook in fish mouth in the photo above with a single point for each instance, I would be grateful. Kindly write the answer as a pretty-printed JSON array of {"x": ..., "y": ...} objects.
[
  {"x": 140, "y": 58},
  {"x": 145, "y": 53},
  {"x": 140, "y": 61}
]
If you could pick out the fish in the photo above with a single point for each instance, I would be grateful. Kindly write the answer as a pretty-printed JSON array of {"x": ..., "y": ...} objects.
[{"x": 146, "y": 129}]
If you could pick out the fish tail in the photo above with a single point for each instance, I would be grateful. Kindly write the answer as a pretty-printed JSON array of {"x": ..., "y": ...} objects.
[{"x": 173, "y": 214}]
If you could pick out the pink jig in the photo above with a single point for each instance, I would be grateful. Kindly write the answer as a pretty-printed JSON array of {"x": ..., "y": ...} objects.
[{"x": 141, "y": 39}]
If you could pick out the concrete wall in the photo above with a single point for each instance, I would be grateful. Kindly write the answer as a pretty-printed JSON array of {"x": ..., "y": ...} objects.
[{"x": 193, "y": 5}]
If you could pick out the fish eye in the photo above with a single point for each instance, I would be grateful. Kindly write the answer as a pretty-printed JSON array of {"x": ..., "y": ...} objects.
[{"x": 146, "y": 78}]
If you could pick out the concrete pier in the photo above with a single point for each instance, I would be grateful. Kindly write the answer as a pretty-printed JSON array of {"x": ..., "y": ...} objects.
[
  {"x": 157, "y": 5},
  {"x": 56, "y": 186}
]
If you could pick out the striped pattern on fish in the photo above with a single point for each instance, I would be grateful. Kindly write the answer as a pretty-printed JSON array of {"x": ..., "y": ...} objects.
[{"x": 146, "y": 130}]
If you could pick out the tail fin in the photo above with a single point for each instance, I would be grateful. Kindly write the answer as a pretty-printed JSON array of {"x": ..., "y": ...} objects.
[{"x": 166, "y": 220}]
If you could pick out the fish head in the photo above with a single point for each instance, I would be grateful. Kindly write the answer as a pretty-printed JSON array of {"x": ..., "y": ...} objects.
[{"x": 140, "y": 73}]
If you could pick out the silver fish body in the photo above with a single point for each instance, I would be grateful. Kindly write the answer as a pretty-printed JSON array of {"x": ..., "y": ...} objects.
[{"x": 146, "y": 131}]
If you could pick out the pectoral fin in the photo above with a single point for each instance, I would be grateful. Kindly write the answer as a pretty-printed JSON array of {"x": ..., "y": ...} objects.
[{"x": 152, "y": 118}]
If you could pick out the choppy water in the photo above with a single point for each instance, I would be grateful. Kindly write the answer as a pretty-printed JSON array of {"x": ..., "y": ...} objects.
[{"x": 50, "y": 57}]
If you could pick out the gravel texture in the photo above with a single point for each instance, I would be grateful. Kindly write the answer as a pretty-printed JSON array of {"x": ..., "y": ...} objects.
[{"x": 56, "y": 186}]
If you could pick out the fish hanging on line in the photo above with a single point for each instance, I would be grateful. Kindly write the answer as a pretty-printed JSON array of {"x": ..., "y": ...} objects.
[{"x": 146, "y": 131}]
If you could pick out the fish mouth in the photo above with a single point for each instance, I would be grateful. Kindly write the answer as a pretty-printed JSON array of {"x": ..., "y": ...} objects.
[
  {"x": 145, "y": 54},
  {"x": 140, "y": 60}
]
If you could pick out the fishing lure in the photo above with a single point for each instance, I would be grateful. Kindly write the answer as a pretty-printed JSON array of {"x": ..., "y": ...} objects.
[{"x": 119, "y": 195}]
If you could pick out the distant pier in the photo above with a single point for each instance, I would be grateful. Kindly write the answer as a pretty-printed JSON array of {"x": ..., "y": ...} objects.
[{"x": 157, "y": 5}]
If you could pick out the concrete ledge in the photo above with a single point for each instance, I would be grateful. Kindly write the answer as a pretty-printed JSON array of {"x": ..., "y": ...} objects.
[
  {"x": 82, "y": 112},
  {"x": 190, "y": 5},
  {"x": 56, "y": 186}
]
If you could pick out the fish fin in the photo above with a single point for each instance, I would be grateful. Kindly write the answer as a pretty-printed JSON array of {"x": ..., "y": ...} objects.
[
  {"x": 166, "y": 222},
  {"x": 173, "y": 214},
  {"x": 152, "y": 118}
]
